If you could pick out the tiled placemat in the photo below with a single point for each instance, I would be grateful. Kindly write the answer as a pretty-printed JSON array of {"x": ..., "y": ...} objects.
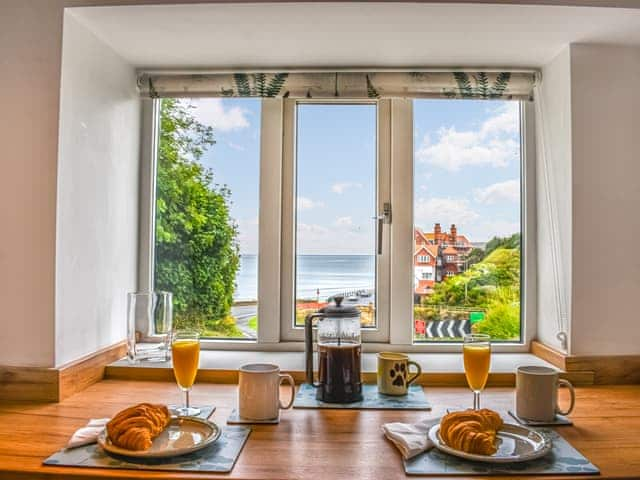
[
  {"x": 562, "y": 460},
  {"x": 219, "y": 457},
  {"x": 414, "y": 400},
  {"x": 235, "y": 418},
  {"x": 559, "y": 420}
]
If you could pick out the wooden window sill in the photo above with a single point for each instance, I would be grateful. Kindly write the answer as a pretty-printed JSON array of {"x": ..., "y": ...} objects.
[{"x": 443, "y": 369}]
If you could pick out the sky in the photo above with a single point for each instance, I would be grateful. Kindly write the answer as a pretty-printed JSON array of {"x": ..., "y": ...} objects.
[{"x": 466, "y": 168}]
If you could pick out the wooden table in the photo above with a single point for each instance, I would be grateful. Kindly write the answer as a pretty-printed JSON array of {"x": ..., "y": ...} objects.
[{"x": 313, "y": 444}]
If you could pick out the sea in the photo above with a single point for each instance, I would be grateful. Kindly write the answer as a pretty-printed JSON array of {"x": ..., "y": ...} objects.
[{"x": 316, "y": 275}]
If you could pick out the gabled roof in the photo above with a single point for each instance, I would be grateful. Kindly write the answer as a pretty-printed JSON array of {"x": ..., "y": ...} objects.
[
  {"x": 450, "y": 251},
  {"x": 430, "y": 249}
]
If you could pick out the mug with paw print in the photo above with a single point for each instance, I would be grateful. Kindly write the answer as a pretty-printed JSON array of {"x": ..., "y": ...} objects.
[{"x": 394, "y": 377}]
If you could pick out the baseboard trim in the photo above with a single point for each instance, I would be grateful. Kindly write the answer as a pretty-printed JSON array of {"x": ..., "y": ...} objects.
[
  {"x": 55, "y": 384},
  {"x": 431, "y": 379},
  {"x": 604, "y": 369}
]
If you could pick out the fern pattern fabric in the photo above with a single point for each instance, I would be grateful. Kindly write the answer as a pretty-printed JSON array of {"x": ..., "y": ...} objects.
[{"x": 350, "y": 85}]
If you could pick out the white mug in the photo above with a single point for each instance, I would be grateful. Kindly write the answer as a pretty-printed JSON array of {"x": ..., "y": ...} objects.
[
  {"x": 259, "y": 391},
  {"x": 537, "y": 394}
]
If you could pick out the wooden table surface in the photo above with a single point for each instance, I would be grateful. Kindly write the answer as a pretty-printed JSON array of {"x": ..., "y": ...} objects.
[{"x": 313, "y": 444}]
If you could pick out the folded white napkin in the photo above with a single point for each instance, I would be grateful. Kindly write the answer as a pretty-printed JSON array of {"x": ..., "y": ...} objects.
[
  {"x": 410, "y": 438},
  {"x": 89, "y": 433}
]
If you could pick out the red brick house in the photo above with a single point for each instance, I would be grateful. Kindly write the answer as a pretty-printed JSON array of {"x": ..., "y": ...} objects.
[{"x": 437, "y": 255}]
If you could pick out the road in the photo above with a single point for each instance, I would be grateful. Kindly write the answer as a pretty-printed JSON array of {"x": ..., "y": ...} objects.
[{"x": 242, "y": 314}]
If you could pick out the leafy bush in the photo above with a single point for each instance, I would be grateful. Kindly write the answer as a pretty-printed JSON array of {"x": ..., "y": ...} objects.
[
  {"x": 196, "y": 240},
  {"x": 502, "y": 320}
]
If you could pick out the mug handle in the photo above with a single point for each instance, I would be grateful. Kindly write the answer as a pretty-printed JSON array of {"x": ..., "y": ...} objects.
[
  {"x": 566, "y": 383},
  {"x": 288, "y": 378},
  {"x": 415, "y": 375}
]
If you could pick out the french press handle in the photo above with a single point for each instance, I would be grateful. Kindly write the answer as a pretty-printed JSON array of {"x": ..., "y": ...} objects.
[{"x": 308, "y": 346}]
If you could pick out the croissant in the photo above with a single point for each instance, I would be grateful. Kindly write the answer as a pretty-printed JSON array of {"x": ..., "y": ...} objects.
[
  {"x": 472, "y": 431},
  {"x": 134, "y": 428}
]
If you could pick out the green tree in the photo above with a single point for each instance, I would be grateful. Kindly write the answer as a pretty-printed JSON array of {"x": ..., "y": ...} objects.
[
  {"x": 502, "y": 242},
  {"x": 491, "y": 285},
  {"x": 196, "y": 246}
]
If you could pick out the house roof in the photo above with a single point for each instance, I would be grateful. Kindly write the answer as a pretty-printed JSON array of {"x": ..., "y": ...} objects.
[
  {"x": 430, "y": 249},
  {"x": 450, "y": 251}
]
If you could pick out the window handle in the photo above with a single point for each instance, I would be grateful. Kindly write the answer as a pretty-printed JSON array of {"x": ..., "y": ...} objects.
[{"x": 382, "y": 219}]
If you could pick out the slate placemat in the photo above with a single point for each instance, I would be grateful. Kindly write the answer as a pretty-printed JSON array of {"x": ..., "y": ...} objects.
[
  {"x": 562, "y": 460},
  {"x": 205, "y": 410},
  {"x": 413, "y": 400},
  {"x": 219, "y": 457},
  {"x": 559, "y": 420}
]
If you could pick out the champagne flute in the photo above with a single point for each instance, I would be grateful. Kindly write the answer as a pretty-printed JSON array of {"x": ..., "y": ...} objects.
[
  {"x": 185, "y": 349},
  {"x": 476, "y": 352}
]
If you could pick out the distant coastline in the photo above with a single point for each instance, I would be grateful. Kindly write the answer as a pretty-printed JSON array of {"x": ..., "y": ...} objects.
[{"x": 328, "y": 274}]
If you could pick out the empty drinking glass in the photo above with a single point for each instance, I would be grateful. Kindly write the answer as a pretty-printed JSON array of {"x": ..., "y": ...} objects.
[{"x": 149, "y": 323}]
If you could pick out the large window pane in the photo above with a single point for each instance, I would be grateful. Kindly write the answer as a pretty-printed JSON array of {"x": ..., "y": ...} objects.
[
  {"x": 467, "y": 254},
  {"x": 207, "y": 194},
  {"x": 336, "y": 203}
]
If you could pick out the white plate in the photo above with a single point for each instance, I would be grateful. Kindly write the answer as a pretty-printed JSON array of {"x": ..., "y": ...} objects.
[
  {"x": 183, "y": 435},
  {"x": 515, "y": 444}
]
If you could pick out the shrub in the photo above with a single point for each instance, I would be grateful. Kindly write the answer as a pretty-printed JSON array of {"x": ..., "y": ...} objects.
[{"x": 501, "y": 322}]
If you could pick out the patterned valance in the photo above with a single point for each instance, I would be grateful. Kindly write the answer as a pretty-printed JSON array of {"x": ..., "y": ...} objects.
[{"x": 350, "y": 85}]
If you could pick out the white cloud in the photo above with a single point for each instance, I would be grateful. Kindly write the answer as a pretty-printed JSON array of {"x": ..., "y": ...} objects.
[
  {"x": 305, "y": 203},
  {"x": 505, "y": 122},
  {"x": 444, "y": 211},
  {"x": 344, "y": 222},
  {"x": 212, "y": 112},
  {"x": 344, "y": 239},
  {"x": 235, "y": 146},
  {"x": 493, "y": 144},
  {"x": 508, "y": 191},
  {"x": 341, "y": 187}
]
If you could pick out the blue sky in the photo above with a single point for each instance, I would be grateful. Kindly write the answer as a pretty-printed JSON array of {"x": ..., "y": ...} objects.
[{"x": 467, "y": 169}]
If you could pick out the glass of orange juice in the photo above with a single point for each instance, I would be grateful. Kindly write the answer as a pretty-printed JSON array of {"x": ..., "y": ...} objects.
[
  {"x": 185, "y": 351},
  {"x": 476, "y": 351}
]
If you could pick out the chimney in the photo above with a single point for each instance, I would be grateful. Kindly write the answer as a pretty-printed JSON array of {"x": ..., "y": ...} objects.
[
  {"x": 454, "y": 233},
  {"x": 437, "y": 233}
]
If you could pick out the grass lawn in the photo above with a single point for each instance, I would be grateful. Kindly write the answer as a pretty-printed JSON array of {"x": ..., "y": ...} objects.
[{"x": 253, "y": 323}]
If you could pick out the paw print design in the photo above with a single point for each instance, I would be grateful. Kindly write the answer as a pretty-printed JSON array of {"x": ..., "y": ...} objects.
[{"x": 398, "y": 374}]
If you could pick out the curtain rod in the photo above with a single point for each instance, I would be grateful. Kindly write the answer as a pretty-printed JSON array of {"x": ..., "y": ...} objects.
[{"x": 209, "y": 71}]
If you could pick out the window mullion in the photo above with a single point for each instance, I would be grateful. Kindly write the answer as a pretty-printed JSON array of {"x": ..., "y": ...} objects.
[
  {"x": 270, "y": 219},
  {"x": 401, "y": 302}
]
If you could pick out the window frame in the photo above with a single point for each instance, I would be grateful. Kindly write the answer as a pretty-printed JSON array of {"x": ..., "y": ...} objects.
[
  {"x": 289, "y": 332},
  {"x": 276, "y": 220}
]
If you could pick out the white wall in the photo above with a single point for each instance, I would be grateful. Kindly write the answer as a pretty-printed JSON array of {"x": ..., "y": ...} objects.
[
  {"x": 30, "y": 74},
  {"x": 605, "y": 99},
  {"x": 555, "y": 129},
  {"x": 97, "y": 204}
]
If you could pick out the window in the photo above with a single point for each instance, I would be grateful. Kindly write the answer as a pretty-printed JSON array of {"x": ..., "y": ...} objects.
[
  {"x": 206, "y": 213},
  {"x": 312, "y": 199},
  {"x": 467, "y": 184},
  {"x": 338, "y": 187}
]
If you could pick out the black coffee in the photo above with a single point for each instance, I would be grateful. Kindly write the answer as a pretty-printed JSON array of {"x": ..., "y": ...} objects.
[{"x": 339, "y": 373}]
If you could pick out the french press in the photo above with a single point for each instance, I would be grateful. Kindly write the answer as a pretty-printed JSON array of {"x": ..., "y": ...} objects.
[{"x": 339, "y": 353}]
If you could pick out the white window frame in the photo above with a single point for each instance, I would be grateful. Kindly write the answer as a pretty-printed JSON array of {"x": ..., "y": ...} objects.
[
  {"x": 276, "y": 223},
  {"x": 288, "y": 332}
]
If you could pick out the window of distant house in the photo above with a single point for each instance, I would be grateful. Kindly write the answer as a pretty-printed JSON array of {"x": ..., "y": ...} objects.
[{"x": 467, "y": 184}]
